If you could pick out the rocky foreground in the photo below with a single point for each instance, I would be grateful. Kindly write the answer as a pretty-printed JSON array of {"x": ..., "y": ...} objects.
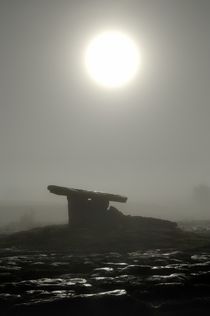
[
  {"x": 121, "y": 233},
  {"x": 147, "y": 283},
  {"x": 136, "y": 266}
]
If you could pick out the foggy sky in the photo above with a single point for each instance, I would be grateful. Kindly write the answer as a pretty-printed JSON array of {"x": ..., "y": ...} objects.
[{"x": 148, "y": 140}]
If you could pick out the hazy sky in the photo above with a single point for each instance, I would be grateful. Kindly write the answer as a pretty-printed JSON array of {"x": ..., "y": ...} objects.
[{"x": 149, "y": 140}]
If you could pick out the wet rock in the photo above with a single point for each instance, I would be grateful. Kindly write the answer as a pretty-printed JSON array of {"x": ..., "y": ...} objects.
[
  {"x": 103, "y": 303},
  {"x": 174, "y": 277},
  {"x": 171, "y": 290},
  {"x": 201, "y": 257},
  {"x": 103, "y": 271},
  {"x": 167, "y": 281},
  {"x": 136, "y": 270},
  {"x": 192, "y": 307}
]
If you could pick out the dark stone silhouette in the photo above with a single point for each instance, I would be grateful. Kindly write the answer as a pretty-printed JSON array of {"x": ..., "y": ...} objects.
[
  {"x": 86, "y": 208},
  {"x": 90, "y": 209},
  {"x": 94, "y": 226}
]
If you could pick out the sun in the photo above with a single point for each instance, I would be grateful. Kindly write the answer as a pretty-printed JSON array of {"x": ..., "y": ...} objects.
[{"x": 112, "y": 59}]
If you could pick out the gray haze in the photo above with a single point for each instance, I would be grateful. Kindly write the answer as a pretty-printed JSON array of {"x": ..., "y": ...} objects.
[{"x": 149, "y": 140}]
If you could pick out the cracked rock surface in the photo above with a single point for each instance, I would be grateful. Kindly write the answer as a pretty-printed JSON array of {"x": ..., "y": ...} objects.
[{"x": 153, "y": 282}]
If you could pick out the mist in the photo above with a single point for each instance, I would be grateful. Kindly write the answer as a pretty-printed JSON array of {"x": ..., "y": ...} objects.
[
  {"x": 104, "y": 157},
  {"x": 148, "y": 140}
]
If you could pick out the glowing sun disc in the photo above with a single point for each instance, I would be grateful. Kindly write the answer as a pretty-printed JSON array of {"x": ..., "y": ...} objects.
[{"x": 112, "y": 59}]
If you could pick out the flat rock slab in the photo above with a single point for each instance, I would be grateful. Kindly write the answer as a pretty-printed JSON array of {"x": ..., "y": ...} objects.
[
  {"x": 95, "y": 284},
  {"x": 58, "y": 190}
]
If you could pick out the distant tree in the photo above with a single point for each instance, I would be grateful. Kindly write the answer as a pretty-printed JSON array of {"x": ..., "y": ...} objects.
[{"x": 201, "y": 195}]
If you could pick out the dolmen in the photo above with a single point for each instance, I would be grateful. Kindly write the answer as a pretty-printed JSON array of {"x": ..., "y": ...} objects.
[
  {"x": 91, "y": 209},
  {"x": 96, "y": 226},
  {"x": 87, "y": 208}
]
